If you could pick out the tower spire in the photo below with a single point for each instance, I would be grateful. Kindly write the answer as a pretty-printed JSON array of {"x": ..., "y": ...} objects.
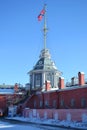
[{"x": 45, "y": 28}]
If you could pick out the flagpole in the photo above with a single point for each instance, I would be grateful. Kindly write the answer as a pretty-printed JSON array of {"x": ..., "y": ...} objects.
[{"x": 45, "y": 28}]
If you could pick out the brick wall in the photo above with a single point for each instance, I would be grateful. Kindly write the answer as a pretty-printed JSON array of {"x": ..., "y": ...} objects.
[
  {"x": 60, "y": 99},
  {"x": 61, "y": 114},
  {"x": 75, "y": 98}
]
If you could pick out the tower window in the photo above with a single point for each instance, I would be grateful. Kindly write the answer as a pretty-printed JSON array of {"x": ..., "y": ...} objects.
[
  {"x": 38, "y": 77},
  {"x": 38, "y": 80}
]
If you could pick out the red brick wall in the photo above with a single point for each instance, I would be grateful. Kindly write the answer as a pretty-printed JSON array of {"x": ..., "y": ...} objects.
[
  {"x": 2, "y": 102},
  {"x": 76, "y": 94},
  {"x": 50, "y": 97},
  {"x": 34, "y": 99},
  {"x": 7, "y": 99},
  {"x": 76, "y": 114},
  {"x": 63, "y": 99}
]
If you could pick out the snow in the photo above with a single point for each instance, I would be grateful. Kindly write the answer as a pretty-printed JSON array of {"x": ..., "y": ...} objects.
[
  {"x": 34, "y": 117},
  {"x": 8, "y": 126},
  {"x": 6, "y": 91},
  {"x": 53, "y": 122}
]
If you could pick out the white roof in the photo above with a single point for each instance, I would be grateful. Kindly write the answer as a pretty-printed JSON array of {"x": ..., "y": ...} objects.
[{"x": 6, "y": 91}]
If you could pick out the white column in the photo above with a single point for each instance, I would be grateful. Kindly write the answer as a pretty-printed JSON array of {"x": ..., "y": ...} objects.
[
  {"x": 33, "y": 81},
  {"x": 53, "y": 79},
  {"x": 43, "y": 79},
  {"x": 55, "y": 82}
]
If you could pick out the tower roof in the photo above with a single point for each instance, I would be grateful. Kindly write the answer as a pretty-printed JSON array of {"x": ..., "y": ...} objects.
[{"x": 45, "y": 63}]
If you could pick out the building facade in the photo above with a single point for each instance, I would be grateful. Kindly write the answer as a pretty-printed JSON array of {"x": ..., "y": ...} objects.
[{"x": 73, "y": 97}]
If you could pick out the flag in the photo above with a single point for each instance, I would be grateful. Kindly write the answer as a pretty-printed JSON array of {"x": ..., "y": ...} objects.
[{"x": 40, "y": 16}]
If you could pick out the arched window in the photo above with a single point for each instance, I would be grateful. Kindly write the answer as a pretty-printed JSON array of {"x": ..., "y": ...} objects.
[
  {"x": 62, "y": 103},
  {"x": 41, "y": 104},
  {"x": 34, "y": 104},
  {"x": 72, "y": 102},
  {"x": 54, "y": 104},
  {"x": 46, "y": 103},
  {"x": 83, "y": 102}
]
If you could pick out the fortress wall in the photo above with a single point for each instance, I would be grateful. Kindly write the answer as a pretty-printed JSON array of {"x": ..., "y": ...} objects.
[{"x": 61, "y": 114}]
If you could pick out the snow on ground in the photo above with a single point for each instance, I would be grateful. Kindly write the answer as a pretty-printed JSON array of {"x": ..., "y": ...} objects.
[
  {"x": 17, "y": 126},
  {"x": 52, "y": 122},
  {"x": 8, "y": 126}
]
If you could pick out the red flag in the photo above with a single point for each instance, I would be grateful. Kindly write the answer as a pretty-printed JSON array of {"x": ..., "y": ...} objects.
[
  {"x": 40, "y": 16},
  {"x": 42, "y": 12}
]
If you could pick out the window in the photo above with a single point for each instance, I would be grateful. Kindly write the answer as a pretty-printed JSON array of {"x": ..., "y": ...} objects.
[
  {"x": 62, "y": 103},
  {"x": 72, "y": 102},
  {"x": 41, "y": 104},
  {"x": 34, "y": 104},
  {"x": 83, "y": 102},
  {"x": 46, "y": 103},
  {"x": 48, "y": 76},
  {"x": 54, "y": 104},
  {"x": 37, "y": 80},
  {"x": 37, "y": 77}
]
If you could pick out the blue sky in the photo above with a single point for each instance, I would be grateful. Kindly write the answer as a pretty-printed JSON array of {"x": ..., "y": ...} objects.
[{"x": 21, "y": 37}]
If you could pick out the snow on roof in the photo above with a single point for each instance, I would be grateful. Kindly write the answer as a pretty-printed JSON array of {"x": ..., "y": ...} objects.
[
  {"x": 82, "y": 73},
  {"x": 73, "y": 87},
  {"x": 6, "y": 91}
]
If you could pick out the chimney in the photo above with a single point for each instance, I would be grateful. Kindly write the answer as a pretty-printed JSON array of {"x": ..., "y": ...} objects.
[
  {"x": 81, "y": 78},
  {"x": 74, "y": 81},
  {"x": 61, "y": 83},
  {"x": 47, "y": 85}
]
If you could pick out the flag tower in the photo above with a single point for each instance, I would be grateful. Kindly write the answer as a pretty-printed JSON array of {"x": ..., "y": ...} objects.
[
  {"x": 45, "y": 68},
  {"x": 45, "y": 29}
]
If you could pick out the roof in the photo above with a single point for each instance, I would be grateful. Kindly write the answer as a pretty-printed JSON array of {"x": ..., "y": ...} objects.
[
  {"x": 45, "y": 63},
  {"x": 6, "y": 91}
]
